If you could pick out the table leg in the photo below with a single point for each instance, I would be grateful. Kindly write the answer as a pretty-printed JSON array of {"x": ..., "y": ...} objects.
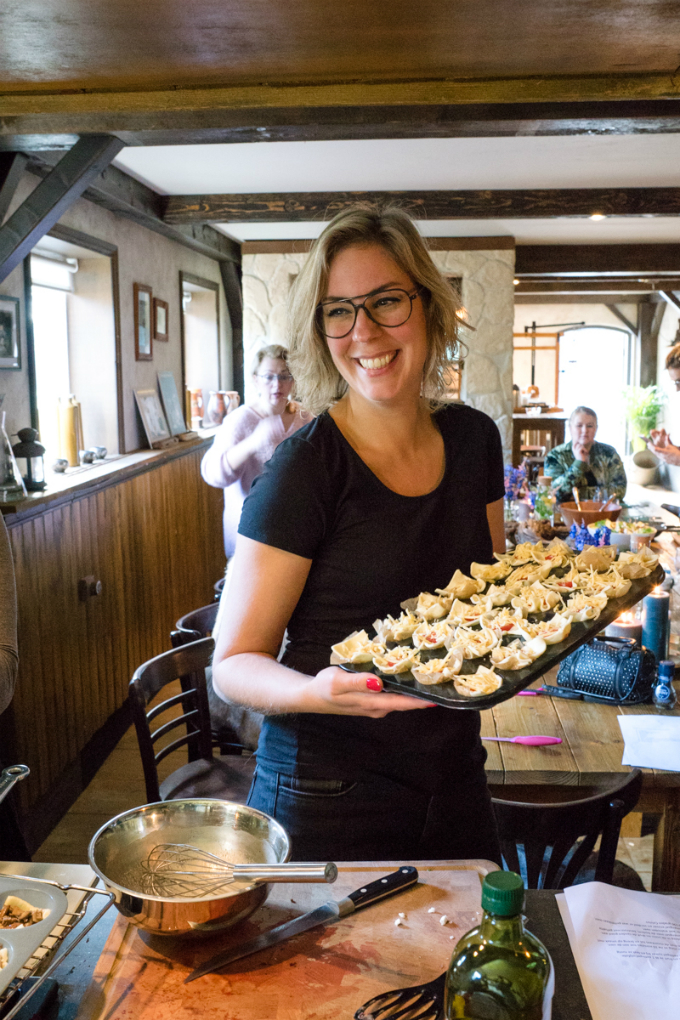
[{"x": 666, "y": 868}]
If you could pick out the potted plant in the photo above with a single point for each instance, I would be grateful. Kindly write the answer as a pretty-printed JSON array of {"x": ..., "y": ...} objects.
[{"x": 643, "y": 406}]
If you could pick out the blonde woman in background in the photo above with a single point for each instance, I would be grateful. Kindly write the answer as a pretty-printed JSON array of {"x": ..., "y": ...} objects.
[
  {"x": 383, "y": 495},
  {"x": 248, "y": 436}
]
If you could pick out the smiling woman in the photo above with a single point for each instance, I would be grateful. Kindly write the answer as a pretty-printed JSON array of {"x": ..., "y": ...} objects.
[{"x": 388, "y": 491}]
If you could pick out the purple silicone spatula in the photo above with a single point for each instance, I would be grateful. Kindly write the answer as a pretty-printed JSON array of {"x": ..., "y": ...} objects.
[{"x": 530, "y": 741}]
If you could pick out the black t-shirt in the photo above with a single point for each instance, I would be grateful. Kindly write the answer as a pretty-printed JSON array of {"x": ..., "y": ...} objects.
[{"x": 371, "y": 549}]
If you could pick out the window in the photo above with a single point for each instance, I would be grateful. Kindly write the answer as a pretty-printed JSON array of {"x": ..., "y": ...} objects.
[
  {"x": 201, "y": 339},
  {"x": 74, "y": 338}
]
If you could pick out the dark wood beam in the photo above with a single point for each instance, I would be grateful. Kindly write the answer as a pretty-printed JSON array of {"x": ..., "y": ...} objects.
[
  {"x": 598, "y": 259},
  {"x": 581, "y": 299},
  {"x": 123, "y": 195},
  {"x": 649, "y": 318},
  {"x": 37, "y": 132},
  {"x": 622, "y": 317},
  {"x": 425, "y": 205},
  {"x": 53, "y": 196},
  {"x": 12, "y": 166},
  {"x": 588, "y": 285},
  {"x": 670, "y": 298}
]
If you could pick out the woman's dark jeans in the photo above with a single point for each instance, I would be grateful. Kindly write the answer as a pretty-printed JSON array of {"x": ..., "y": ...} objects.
[{"x": 376, "y": 818}]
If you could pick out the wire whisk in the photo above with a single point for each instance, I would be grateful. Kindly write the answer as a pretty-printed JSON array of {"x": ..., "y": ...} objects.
[{"x": 179, "y": 870}]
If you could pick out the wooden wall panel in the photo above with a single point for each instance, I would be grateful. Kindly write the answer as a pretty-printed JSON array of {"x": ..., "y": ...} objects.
[{"x": 155, "y": 542}]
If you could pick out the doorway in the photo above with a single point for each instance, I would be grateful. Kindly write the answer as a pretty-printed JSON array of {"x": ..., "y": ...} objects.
[{"x": 596, "y": 363}]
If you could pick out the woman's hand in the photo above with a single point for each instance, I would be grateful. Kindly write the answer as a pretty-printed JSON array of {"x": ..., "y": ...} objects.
[
  {"x": 581, "y": 452},
  {"x": 334, "y": 691}
]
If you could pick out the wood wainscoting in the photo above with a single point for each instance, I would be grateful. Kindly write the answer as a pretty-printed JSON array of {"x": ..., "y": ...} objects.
[{"x": 152, "y": 534}]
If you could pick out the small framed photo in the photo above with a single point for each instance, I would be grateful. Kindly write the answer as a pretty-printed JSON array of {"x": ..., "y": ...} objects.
[
  {"x": 160, "y": 319},
  {"x": 143, "y": 322},
  {"x": 151, "y": 413},
  {"x": 171, "y": 403},
  {"x": 10, "y": 335}
]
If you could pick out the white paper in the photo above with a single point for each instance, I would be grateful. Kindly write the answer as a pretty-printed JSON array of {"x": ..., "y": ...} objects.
[
  {"x": 627, "y": 949},
  {"x": 651, "y": 741}
]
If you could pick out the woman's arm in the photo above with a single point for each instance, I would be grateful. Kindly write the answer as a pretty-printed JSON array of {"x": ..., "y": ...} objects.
[
  {"x": 495, "y": 515},
  {"x": 232, "y": 448},
  {"x": 262, "y": 590},
  {"x": 9, "y": 661}
]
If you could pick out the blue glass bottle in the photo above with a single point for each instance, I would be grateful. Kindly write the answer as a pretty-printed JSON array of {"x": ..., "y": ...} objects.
[{"x": 664, "y": 695}]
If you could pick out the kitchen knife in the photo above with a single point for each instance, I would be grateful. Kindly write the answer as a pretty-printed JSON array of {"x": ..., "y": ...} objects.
[
  {"x": 405, "y": 877},
  {"x": 560, "y": 692}
]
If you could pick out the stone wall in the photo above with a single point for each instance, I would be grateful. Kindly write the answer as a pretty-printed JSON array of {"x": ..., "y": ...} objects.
[{"x": 487, "y": 296}]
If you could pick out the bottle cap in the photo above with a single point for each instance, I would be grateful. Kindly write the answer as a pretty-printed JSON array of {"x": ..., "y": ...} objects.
[
  {"x": 503, "y": 893},
  {"x": 666, "y": 669}
]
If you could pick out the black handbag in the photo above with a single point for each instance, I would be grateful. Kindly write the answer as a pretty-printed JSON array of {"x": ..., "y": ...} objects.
[{"x": 612, "y": 669}]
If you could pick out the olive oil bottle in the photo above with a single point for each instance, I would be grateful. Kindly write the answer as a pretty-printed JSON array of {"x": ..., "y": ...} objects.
[{"x": 499, "y": 971}]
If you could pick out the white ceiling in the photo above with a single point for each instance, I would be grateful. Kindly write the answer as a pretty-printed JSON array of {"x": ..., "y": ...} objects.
[{"x": 426, "y": 164}]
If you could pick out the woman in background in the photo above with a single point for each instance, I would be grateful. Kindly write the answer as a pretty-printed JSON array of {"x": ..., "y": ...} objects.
[
  {"x": 248, "y": 436},
  {"x": 583, "y": 463},
  {"x": 661, "y": 444}
]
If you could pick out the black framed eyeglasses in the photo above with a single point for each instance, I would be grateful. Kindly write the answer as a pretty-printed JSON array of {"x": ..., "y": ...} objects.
[{"x": 390, "y": 307}]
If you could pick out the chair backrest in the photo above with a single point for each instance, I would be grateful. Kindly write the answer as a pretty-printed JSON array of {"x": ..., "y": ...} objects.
[
  {"x": 547, "y": 844},
  {"x": 197, "y": 624},
  {"x": 186, "y": 664}
]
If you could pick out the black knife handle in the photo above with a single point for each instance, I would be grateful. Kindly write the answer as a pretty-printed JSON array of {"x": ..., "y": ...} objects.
[
  {"x": 561, "y": 692},
  {"x": 382, "y": 887}
]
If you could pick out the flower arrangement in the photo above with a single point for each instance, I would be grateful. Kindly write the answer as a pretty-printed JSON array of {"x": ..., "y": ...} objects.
[
  {"x": 516, "y": 486},
  {"x": 580, "y": 536}
]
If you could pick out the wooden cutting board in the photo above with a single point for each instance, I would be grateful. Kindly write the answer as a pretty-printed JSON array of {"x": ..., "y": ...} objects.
[{"x": 327, "y": 972}]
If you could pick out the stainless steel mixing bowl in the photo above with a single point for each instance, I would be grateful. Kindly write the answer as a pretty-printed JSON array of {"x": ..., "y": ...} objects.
[{"x": 238, "y": 833}]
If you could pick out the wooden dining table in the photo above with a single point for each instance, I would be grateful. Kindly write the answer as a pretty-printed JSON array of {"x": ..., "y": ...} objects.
[{"x": 589, "y": 757}]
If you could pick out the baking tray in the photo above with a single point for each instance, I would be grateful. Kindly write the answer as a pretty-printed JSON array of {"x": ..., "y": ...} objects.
[
  {"x": 517, "y": 679},
  {"x": 22, "y": 943}
]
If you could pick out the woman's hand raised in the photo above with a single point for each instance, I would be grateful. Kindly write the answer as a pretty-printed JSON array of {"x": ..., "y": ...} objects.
[{"x": 334, "y": 691}]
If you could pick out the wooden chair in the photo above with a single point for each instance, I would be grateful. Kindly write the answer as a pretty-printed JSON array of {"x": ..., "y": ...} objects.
[
  {"x": 194, "y": 625},
  {"x": 204, "y": 775},
  {"x": 235, "y": 729},
  {"x": 548, "y": 844}
]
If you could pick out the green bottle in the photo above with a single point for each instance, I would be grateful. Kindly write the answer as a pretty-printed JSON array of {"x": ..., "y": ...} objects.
[{"x": 499, "y": 971}]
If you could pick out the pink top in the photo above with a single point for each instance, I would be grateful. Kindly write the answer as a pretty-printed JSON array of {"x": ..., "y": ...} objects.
[{"x": 217, "y": 470}]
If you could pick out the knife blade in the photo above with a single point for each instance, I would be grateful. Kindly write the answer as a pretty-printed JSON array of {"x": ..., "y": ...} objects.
[{"x": 397, "y": 881}]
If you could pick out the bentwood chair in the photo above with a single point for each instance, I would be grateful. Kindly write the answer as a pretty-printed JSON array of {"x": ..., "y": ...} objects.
[
  {"x": 204, "y": 775},
  {"x": 234, "y": 729},
  {"x": 549, "y": 844}
]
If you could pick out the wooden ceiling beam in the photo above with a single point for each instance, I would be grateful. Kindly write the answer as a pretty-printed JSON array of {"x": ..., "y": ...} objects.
[
  {"x": 425, "y": 205},
  {"x": 41, "y": 131},
  {"x": 123, "y": 195},
  {"x": 53, "y": 196},
  {"x": 413, "y": 91},
  {"x": 12, "y": 166},
  {"x": 606, "y": 287},
  {"x": 597, "y": 259}
]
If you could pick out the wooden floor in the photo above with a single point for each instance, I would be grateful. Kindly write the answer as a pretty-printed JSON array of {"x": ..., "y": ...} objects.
[{"x": 119, "y": 785}]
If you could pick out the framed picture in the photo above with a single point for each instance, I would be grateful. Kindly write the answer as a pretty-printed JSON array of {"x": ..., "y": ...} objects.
[
  {"x": 143, "y": 322},
  {"x": 171, "y": 403},
  {"x": 151, "y": 413},
  {"x": 160, "y": 319},
  {"x": 10, "y": 336}
]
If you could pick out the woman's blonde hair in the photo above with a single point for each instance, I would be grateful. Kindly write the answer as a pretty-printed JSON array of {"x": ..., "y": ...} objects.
[
  {"x": 318, "y": 382},
  {"x": 274, "y": 351}
]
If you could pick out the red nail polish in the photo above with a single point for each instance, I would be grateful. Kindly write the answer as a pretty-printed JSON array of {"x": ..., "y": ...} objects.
[{"x": 373, "y": 684}]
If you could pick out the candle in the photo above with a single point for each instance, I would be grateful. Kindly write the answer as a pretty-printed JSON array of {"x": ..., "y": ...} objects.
[
  {"x": 656, "y": 623},
  {"x": 625, "y": 626}
]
